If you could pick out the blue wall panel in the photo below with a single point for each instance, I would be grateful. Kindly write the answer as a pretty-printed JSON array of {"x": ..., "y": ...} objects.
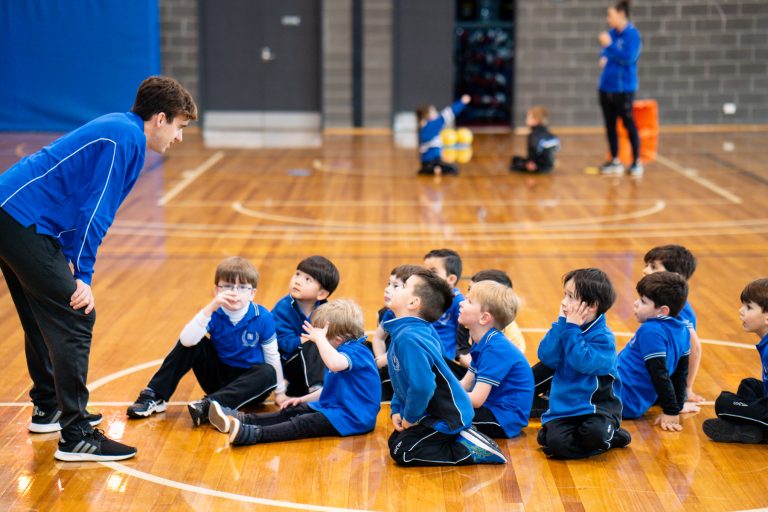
[{"x": 65, "y": 62}]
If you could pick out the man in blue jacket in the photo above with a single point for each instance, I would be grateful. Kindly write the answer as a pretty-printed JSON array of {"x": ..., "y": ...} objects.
[{"x": 55, "y": 208}]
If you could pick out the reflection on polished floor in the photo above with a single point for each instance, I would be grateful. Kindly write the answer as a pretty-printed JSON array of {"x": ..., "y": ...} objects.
[{"x": 356, "y": 199}]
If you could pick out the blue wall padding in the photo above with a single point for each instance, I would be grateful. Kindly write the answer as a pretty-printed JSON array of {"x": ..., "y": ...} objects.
[{"x": 65, "y": 62}]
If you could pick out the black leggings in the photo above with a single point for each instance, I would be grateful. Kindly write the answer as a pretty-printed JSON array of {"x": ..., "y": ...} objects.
[
  {"x": 615, "y": 106},
  {"x": 299, "y": 422},
  {"x": 749, "y": 406},
  {"x": 577, "y": 437}
]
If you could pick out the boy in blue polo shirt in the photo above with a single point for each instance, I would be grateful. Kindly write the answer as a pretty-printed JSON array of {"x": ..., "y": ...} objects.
[
  {"x": 676, "y": 258},
  {"x": 499, "y": 380},
  {"x": 315, "y": 279},
  {"x": 346, "y": 405},
  {"x": 431, "y": 413},
  {"x": 584, "y": 414},
  {"x": 743, "y": 417},
  {"x": 447, "y": 264},
  {"x": 236, "y": 363},
  {"x": 654, "y": 364}
]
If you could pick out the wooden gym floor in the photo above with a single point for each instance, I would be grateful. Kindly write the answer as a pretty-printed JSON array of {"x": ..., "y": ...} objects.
[{"x": 356, "y": 200}]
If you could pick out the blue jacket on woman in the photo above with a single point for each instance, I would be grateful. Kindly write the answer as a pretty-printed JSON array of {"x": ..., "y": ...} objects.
[{"x": 620, "y": 71}]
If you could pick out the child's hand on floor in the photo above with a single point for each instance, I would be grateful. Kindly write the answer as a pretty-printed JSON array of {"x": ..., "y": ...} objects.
[{"x": 669, "y": 423}]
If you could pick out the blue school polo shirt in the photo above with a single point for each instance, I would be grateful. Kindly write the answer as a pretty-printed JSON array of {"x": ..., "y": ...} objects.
[{"x": 239, "y": 345}]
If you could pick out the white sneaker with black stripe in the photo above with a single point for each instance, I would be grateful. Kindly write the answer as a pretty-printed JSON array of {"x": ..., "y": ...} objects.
[
  {"x": 482, "y": 448},
  {"x": 92, "y": 446}
]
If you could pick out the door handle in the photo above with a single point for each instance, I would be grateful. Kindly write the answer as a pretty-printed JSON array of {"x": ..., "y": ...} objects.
[{"x": 267, "y": 54}]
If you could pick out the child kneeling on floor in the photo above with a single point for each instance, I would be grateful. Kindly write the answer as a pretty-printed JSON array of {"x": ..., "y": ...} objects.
[{"x": 346, "y": 405}]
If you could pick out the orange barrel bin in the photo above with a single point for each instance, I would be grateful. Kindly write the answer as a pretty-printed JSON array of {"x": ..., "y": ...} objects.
[{"x": 647, "y": 122}]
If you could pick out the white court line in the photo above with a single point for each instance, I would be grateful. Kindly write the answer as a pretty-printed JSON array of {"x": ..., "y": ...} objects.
[
  {"x": 122, "y": 373},
  {"x": 658, "y": 206},
  {"x": 693, "y": 175},
  {"x": 220, "y": 494},
  {"x": 189, "y": 178}
]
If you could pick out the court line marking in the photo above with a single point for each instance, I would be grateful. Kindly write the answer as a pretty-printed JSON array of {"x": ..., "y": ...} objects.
[
  {"x": 293, "y": 234},
  {"x": 237, "y": 206},
  {"x": 693, "y": 175},
  {"x": 190, "y": 177},
  {"x": 546, "y": 203},
  {"x": 116, "y": 466}
]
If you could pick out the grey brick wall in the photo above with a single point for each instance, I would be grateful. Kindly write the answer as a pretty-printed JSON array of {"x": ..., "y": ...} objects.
[
  {"x": 337, "y": 63},
  {"x": 377, "y": 63},
  {"x": 179, "y": 43},
  {"x": 697, "y": 55}
]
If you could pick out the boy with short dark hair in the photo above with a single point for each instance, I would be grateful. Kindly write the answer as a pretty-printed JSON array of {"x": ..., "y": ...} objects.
[
  {"x": 380, "y": 341},
  {"x": 743, "y": 417},
  {"x": 315, "y": 279},
  {"x": 499, "y": 380},
  {"x": 431, "y": 413},
  {"x": 654, "y": 364},
  {"x": 230, "y": 345},
  {"x": 584, "y": 414},
  {"x": 346, "y": 405},
  {"x": 676, "y": 258},
  {"x": 447, "y": 264}
]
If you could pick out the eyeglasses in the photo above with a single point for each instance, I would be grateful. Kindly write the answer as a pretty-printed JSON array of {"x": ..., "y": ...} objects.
[{"x": 241, "y": 288}]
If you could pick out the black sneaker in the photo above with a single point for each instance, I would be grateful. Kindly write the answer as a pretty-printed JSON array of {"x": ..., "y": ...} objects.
[
  {"x": 46, "y": 422},
  {"x": 219, "y": 416},
  {"x": 146, "y": 405},
  {"x": 724, "y": 431},
  {"x": 93, "y": 446},
  {"x": 198, "y": 410},
  {"x": 482, "y": 449},
  {"x": 241, "y": 434},
  {"x": 621, "y": 438}
]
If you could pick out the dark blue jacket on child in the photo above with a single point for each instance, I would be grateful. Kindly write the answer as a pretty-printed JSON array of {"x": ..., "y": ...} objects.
[
  {"x": 430, "y": 142},
  {"x": 425, "y": 389},
  {"x": 584, "y": 360},
  {"x": 762, "y": 349},
  {"x": 661, "y": 337},
  {"x": 289, "y": 325},
  {"x": 500, "y": 364},
  {"x": 351, "y": 398}
]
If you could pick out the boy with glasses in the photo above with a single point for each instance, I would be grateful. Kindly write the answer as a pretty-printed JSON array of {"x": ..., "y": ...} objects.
[{"x": 236, "y": 363}]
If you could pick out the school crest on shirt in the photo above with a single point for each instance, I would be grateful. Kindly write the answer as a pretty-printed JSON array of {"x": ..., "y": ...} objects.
[
  {"x": 395, "y": 363},
  {"x": 250, "y": 339}
]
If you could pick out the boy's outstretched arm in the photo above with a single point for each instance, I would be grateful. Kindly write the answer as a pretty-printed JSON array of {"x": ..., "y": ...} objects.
[
  {"x": 334, "y": 361},
  {"x": 379, "y": 347}
]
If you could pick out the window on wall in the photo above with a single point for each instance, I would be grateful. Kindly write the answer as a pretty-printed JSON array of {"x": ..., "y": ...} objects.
[{"x": 484, "y": 50}]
